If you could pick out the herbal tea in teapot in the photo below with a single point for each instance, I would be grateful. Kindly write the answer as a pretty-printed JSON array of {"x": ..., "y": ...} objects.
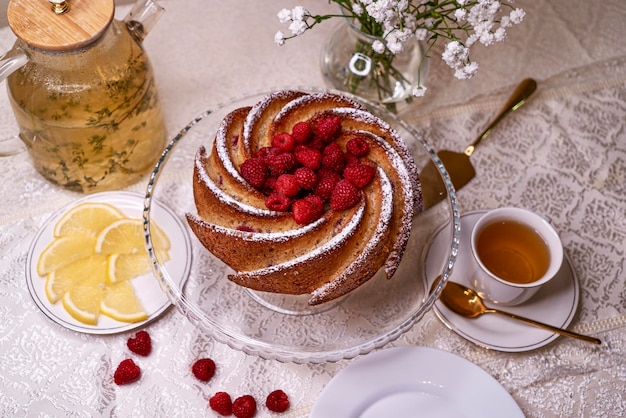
[{"x": 89, "y": 113}]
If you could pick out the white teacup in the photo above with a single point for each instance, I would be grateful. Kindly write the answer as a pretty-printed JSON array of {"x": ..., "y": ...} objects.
[{"x": 516, "y": 252}]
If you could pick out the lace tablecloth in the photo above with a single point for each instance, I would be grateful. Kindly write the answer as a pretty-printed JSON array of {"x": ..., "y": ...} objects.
[{"x": 563, "y": 154}]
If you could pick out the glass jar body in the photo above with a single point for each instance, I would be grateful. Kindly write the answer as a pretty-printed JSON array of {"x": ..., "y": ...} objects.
[{"x": 349, "y": 63}]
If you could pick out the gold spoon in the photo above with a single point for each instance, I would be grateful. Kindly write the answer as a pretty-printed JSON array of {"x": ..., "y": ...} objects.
[{"x": 466, "y": 302}]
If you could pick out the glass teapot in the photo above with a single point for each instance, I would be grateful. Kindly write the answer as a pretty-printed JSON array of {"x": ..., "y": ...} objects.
[{"x": 83, "y": 91}]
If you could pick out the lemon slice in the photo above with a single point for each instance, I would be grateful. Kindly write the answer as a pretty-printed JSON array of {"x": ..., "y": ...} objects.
[
  {"x": 82, "y": 301},
  {"x": 126, "y": 236},
  {"x": 86, "y": 219},
  {"x": 122, "y": 267},
  {"x": 63, "y": 251},
  {"x": 121, "y": 303},
  {"x": 60, "y": 281}
]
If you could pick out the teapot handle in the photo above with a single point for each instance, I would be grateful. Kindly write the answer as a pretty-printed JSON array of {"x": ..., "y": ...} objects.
[
  {"x": 9, "y": 62},
  {"x": 142, "y": 18}
]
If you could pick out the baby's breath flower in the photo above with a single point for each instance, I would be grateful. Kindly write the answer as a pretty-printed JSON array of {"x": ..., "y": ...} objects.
[
  {"x": 462, "y": 23},
  {"x": 279, "y": 38}
]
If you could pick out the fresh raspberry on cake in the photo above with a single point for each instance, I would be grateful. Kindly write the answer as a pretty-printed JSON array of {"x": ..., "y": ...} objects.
[
  {"x": 127, "y": 372},
  {"x": 254, "y": 171},
  {"x": 302, "y": 132},
  {"x": 221, "y": 403},
  {"x": 281, "y": 164},
  {"x": 305, "y": 211},
  {"x": 278, "y": 202},
  {"x": 325, "y": 185},
  {"x": 358, "y": 147},
  {"x": 277, "y": 401},
  {"x": 328, "y": 128},
  {"x": 306, "y": 178},
  {"x": 287, "y": 184},
  {"x": 140, "y": 343},
  {"x": 360, "y": 175},
  {"x": 203, "y": 369},
  {"x": 283, "y": 142},
  {"x": 244, "y": 407},
  {"x": 333, "y": 158},
  {"x": 344, "y": 196},
  {"x": 308, "y": 157}
]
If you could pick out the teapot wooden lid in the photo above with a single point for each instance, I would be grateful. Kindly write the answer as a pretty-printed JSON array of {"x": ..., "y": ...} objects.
[{"x": 35, "y": 22}]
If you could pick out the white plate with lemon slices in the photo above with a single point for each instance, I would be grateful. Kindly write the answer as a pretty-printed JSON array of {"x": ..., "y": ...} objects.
[{"x": 88, "y": 269}]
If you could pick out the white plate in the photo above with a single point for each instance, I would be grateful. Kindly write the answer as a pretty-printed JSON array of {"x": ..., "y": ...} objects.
[
  {"x": 554, "y": 304},
  {"x": 147, "y": 288},
  {"x": 414, "y": 381}
]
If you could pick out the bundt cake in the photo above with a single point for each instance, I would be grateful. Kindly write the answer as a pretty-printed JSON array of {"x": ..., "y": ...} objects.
[{"x": 305, "y": 194}]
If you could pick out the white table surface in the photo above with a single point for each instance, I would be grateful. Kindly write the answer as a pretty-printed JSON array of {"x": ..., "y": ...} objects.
[{"x": 563, "y": 154}]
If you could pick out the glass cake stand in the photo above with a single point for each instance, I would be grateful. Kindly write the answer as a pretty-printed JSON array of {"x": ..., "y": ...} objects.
[{"x": 284, "y": 327}]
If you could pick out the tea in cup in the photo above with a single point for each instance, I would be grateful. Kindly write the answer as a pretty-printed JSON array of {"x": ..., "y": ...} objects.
[{"x": 516, "y": 251}]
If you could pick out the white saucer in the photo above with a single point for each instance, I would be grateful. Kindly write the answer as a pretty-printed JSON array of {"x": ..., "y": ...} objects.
[
  {"x": 147, "y": 288},
  {"x": 554, "y": 304},
  {"x": 414, "y": 381}
]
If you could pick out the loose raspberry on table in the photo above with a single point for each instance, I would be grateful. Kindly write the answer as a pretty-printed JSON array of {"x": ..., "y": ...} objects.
[
  {"x": 333, "y": 158},
  {"x": 302, "y": 132},
  {"x": 127, "y": 372},
  {"x": 277, "y": 401},
  {"x": 221, "y": 403},
  {"x": 287, "y": 184},
  {"x": 344, "y": 196},
  {"x": 203, "y": 369},
  {"x": 308, "y": 157},
  {"x": 140, "y": 344},
  {"x": 254, "y": 171},
  {"x": 360, "y": 175},
  {"x": 328, "y": 128},
  {"x": 284, "y": 142},
  {"x": 244, "y": 407},
  {"x": 306, "y": 178},
  {"x": 358, "y": 147},
  {"x": 280, "y": 164},
  {"x": 278, "y": 202}
]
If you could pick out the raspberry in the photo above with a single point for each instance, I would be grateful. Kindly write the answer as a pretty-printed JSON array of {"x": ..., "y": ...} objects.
[
  {"x": 306, "y": 178},
  {"x": 277, "y": 401},
  {"x": 278, "y": 202},
  {"x": 358, "y": 147},
  {"x": 304, "y": 212},
  {"x": 283, "y": 142},
  {"x": 221, "y": 403},
  {"x": 344, "y": 196},
  {"x": 203, "y": 369},
  {"x": 254, "y": 171},
  {"x": 140, "y": 343},
  {"x": 127, "y": 372},
  {"x": 316, "y": 201},
  {"x": 244, "y": 407},
  {"x": 328, "y": 128},
  {"x": 333, "y": 158},
  {"x": 360, "y": 175},
  {"x": 351, "y": 159},
  {"x": 280, "y": 164},
  {"x": 302, "y": 132},
  {"x": 308, "y": 157},
  {"x": 287, "y": 184},
  {"x": 325, "y": 186}
]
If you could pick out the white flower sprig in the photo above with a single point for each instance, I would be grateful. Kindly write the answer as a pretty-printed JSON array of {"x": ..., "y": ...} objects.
[{"x": 462, "y": 23}]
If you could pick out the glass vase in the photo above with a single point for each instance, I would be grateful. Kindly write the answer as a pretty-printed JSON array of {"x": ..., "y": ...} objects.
[{"x": 349, "y": 63}]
